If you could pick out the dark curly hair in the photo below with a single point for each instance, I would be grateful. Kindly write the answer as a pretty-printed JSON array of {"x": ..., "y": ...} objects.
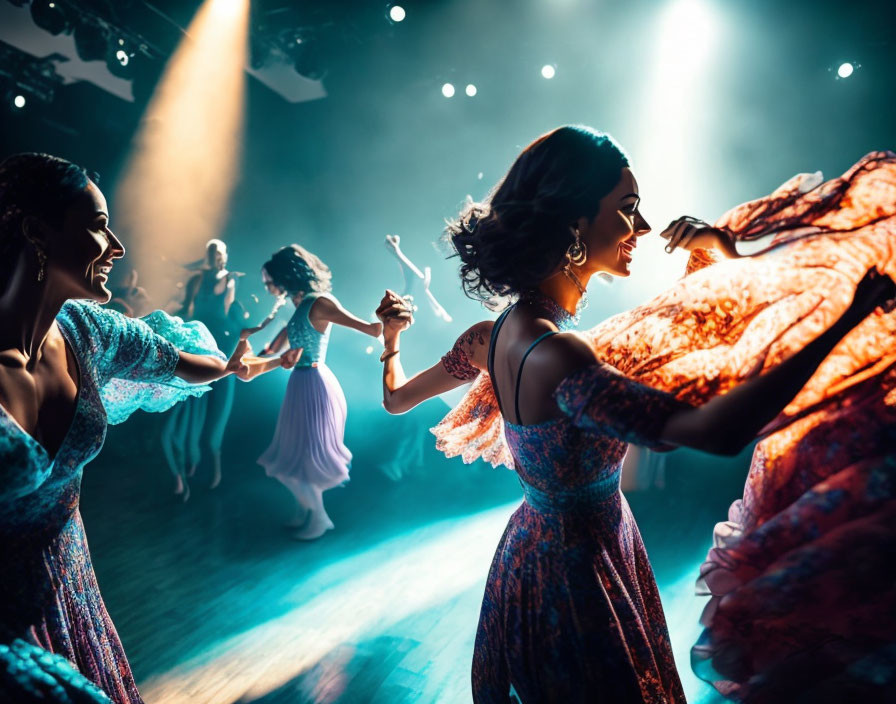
[
  {"x": 296, "y": 270},
  {"x": 34, "y": 185},
  {"x": 518, "y": 236}
]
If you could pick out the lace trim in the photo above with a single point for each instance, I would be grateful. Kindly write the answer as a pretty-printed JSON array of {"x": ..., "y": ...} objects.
[
  {"x": 457, "y": 364},
  {"x": 557, "y": 314}
]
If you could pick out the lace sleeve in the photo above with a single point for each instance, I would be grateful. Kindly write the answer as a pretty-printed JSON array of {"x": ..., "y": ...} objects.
[
  {"x": 602, "y": 400},
  {"x": 133, "y": 360},
  {"x": 459, "y": 362}
]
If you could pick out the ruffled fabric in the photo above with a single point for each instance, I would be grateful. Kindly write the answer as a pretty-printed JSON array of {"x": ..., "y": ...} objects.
[
  {"x": 32, "y": 674},
  {"x": 122, "y": 397},
  {"x": 474, "y": 429},
  {"x": 134, "y": 359},
  {"x": 731, "y": 320},
  {"x": 801, "y": 576}
]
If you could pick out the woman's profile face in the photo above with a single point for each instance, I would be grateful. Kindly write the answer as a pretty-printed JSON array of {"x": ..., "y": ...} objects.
[
  {"x": 611, "y": 236},
  {"x": 81, "y": 253},
  {"x": 269, "y": 284}
]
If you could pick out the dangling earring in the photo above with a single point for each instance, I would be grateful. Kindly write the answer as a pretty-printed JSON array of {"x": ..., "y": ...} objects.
[
  {"x": 38, "y": 250},
  {"x": 577, "y": 255},
  {"x": 41, "y": 261}
]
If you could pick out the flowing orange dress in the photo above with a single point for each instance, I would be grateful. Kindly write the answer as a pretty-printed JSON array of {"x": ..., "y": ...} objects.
[{"x": 801, "y": 578}]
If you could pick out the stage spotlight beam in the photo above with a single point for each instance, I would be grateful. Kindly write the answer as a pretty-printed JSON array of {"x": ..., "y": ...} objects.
[{"x": 175, "y": 192}]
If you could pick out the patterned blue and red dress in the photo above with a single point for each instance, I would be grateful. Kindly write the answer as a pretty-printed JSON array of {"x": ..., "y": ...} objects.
[
  {"x": 571, "y": 611},
  {"x": 49, "y": 595},
  {"x": 801, "y": 578}
]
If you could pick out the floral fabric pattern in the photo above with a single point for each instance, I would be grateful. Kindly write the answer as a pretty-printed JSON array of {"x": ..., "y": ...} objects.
[
  {"x": 457, "y": 364},
  {"x": 49, "y": 596},
  {"x": 571, "y": 610},
  {"x": 800, "y": 578}
]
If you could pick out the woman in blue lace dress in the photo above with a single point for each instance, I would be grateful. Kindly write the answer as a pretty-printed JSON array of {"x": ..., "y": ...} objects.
[
  {"x": 308, "y": 453},
  {"x": 68, "y": 368},
  {"x": 571, "y": 611}
]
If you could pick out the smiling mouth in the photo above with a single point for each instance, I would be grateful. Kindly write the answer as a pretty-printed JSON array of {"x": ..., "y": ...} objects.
[
  {"x": 103, "y": 270},
  {"x": 627, "y": 248}
]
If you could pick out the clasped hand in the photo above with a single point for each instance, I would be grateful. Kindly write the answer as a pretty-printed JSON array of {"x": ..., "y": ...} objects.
[
  {"x": 396, "y": 313},
  {"x": 246, "y": 366}
]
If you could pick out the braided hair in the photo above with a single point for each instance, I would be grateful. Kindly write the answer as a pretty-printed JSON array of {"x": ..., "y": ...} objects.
[
  {"x": 518, "y": 236},
  {"x": 296, "y": 270},
  {"x": 34, "y": 185}
]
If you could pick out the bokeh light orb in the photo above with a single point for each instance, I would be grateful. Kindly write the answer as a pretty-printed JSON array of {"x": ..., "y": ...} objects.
[
  {"x": 471, "y": 90},
  {"x": 448, "y": 90},
  {"x": 19, "y": 101},
  {"x": 845, "y": 70},
  {"x": 397, "y": 13},
  {"x": 548, "y": 71}
]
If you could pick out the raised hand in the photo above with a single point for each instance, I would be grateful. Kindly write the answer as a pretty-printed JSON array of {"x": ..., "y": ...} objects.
[
  {"x": 395, "y": 312},
  {"x": 690, "y": 234},
  {"x": 874, "y": 291}
]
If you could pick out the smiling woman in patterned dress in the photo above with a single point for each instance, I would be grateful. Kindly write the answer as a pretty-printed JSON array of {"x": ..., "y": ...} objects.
[
  {"x": 68, "y": 367},
  {"x": 571, "y": 611}
]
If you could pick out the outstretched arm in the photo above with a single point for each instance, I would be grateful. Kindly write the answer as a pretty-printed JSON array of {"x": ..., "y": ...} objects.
[
  {"x": 408, "y": 267},
  {"x": 327, "y": 309},
  {"x": 726, "y": 424},
  {"x": 202, "y": 369}
]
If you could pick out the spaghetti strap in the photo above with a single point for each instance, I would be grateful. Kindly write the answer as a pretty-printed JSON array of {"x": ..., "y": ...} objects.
[
  {"x": 491, "y": 363},
  {"x": 491, "y": 355},
  {"x": 519, "y": 374}
]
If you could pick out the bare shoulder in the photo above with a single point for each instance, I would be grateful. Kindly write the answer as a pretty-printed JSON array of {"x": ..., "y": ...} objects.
[
  {"x": 557, "y": 357},
  {"x": 324, "y": 307}
]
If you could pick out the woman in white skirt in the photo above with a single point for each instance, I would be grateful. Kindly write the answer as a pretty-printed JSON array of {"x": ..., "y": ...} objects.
[{"x": 308, "y": 453}]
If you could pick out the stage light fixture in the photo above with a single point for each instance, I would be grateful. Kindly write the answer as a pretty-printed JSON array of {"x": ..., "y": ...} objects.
[
  {"x": 49, "y": 16},
  {"x": 548, "y": 71},
  {"x": 19, "y": 101},
  {"x": 91, "y": 41},
  {"x": 120, "y": 57},
  {"x": 845, "y": 70},
  {"x": 471, "y": 90},
  {"x": 307, "y": 59},
  {"x": 397, "y": 13},
  {"x": 448, "y": 90}
]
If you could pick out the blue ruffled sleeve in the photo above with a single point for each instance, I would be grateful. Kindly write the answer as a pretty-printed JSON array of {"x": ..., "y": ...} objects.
[
  {"x": 133, "y": 360},
  {"x": 602, "y": 400}
]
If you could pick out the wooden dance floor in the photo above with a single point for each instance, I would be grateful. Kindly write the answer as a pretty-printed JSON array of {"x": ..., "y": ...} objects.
[{"x": 216, "y": 604}]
